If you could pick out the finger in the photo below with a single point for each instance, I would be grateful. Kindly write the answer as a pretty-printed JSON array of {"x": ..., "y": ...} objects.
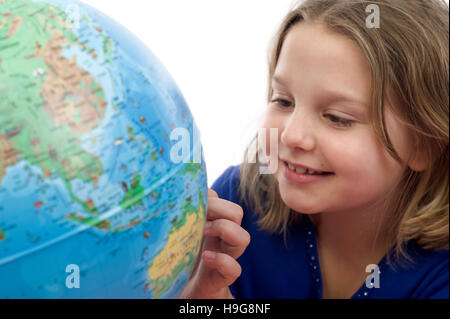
[
  {"x": 227, "y": 269},
  {"x": 221, "y": 208},
  {"x": 228, "y": 231},
  {"x": 212, "y": 193},
  {"x": 218, "y": 245}
]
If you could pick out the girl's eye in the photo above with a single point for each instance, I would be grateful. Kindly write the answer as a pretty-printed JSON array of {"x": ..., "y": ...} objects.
[
  {"x": 339, "y": 121},
  {"x": 282, "y": 102}
]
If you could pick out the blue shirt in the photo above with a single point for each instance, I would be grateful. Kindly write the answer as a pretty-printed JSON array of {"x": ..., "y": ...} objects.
[{"x": 270, "y": 269}]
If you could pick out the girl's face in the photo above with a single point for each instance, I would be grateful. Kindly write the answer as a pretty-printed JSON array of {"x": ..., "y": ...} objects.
[{"x": 321, "y": 92}]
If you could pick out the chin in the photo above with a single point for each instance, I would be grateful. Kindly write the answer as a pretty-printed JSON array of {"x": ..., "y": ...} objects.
[{"x": 294, "y": 202}]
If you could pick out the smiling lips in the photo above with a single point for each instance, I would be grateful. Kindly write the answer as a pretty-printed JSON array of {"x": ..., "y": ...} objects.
[
  {"x": 302, "y": 175},
  {"x": 303, "y": 170}
]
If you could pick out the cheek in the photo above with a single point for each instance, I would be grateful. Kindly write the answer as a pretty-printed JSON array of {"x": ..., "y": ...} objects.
[
  {"x": 357, "y": 158},
  {"x": 365, "y": 162}
]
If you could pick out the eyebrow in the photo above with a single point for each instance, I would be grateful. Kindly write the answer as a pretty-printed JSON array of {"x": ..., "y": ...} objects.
[{"x": 335, "y": 95}]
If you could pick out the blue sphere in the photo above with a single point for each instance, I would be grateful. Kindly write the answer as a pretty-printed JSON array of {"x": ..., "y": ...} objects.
[{"x": 98, "y": 197}]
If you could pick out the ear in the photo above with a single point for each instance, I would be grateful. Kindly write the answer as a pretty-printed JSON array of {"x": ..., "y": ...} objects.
[{"x": 419, "y": 160}]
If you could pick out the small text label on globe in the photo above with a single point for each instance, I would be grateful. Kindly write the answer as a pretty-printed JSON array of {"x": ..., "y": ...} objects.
[{"x": 73, "y": 279}]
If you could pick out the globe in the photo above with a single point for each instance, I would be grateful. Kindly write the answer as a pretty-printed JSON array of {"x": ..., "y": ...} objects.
[{"x": 103, "y": 186}]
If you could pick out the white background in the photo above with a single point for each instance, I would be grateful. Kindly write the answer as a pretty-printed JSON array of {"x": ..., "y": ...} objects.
[{"x": 216, "y": 51}]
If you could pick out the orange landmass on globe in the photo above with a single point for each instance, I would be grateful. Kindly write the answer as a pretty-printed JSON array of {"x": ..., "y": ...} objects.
[
  {"x": 14, "y": 26},
  {"x": 8, "y": 155},
  {"x": 71, "y": 96},
  {"x": 181, "y": 242}
]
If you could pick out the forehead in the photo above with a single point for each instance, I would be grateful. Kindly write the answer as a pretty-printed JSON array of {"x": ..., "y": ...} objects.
[{"x": 313, "y": 56}]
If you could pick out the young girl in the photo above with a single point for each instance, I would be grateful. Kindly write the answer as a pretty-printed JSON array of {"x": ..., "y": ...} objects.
[{"x": 358, "y": 204}]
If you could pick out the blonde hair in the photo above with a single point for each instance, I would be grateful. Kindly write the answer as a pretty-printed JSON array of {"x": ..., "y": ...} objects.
[{"x": 409, "y": 55}]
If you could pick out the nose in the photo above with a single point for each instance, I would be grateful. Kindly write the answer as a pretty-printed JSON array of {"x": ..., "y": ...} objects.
[{"x": 298, "y": 132}]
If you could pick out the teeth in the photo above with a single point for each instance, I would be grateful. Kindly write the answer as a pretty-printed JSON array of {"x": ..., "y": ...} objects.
[{"x": 301, "y": 170}]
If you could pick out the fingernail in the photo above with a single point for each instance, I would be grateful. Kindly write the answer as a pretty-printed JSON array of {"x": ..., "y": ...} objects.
[{"x": 210, "y": 255}]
